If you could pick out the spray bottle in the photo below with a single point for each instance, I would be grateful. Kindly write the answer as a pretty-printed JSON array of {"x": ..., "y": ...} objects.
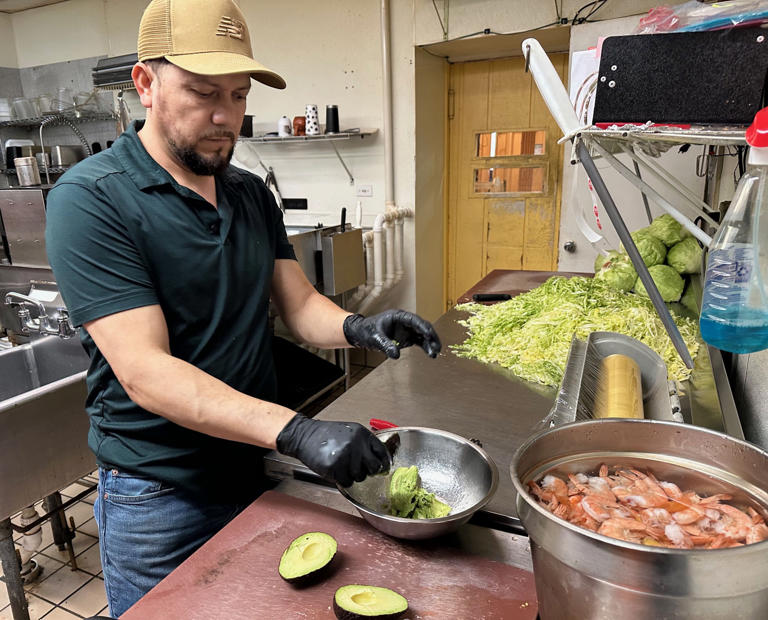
[{"x": 734, "y": 307}]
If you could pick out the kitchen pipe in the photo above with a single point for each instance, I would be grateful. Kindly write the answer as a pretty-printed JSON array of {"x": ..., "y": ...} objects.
[
  {"x": 390, "y": 245},
  {"x": 378, "y": 265},
  {"x": 391, "y": 222},
  {"x": 389, "y": 232},
  {"x": 364, "y": 289},
  {"x": 389, "y": 165},
  {"x": 30, "y": 542}
]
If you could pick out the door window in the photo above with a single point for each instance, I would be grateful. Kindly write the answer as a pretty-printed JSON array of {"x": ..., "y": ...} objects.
[
  {"x": 510, "y": 143},
  {"x": 510, "y": 179}
]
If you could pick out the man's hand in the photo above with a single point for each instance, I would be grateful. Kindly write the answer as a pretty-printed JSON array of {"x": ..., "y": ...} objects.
[
  {"x": 342, "y": 452},
  {"x": 391, "y": 331}
]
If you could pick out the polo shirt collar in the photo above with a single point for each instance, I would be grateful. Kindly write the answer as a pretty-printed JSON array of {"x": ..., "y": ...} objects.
[{"x": 144, "y": 171}]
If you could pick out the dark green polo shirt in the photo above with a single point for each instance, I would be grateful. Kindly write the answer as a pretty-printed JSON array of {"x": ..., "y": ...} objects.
[{"x": 122, "y": 233}]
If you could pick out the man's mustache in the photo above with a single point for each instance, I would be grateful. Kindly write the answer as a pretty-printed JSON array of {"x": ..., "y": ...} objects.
[{"x": 220, "y": 134}]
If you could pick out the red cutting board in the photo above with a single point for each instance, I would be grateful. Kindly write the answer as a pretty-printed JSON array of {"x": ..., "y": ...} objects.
[{"x": 234, "y": 575}]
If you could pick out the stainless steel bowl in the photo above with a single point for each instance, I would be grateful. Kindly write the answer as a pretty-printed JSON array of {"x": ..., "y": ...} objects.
[
  {"x": 582, "y": 574},
  {"x": 457, "y": 471}
]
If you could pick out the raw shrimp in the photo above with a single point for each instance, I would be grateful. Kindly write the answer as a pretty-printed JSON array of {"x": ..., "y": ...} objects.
[
  {"x": 634, "y": 506},
  {"x": 597, "y": 508},
  {"x": 677, "y": 535},
  {"x": 624, "y": 529},
  {"x": 557, "y": 487},
  {"x": 735, "y": 524},
  {"x": 757, "y": 533},
  {"x": 671, "y": 489}
]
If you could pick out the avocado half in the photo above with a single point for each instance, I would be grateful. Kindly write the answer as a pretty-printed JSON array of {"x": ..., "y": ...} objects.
[
  {"x": 355, "y": 602},
  {"x": 308, "y": 558}
]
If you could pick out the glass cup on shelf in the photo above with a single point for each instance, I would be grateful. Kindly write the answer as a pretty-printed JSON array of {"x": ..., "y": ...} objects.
[
  {"x": 22, "y": 108},
  {"x": 44, "y": 103},
  {"x": 64, "y": 102},
  {"x": 5, "y": 109}
]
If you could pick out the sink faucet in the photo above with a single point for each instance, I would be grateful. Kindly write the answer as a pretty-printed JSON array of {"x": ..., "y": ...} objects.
[{"x": 60, "y": 327}]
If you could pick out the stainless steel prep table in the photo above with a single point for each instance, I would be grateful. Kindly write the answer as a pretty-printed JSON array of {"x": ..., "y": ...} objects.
[{"x": 485, "y": 402}]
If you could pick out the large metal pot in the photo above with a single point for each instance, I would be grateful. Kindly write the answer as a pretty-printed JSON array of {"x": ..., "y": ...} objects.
[{"x": 583, "y": 575}]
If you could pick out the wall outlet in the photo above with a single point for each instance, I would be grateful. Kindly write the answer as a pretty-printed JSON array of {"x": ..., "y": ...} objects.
[
  {"x": 365, "y": 191},
  {"x": 295, "y": 203}
]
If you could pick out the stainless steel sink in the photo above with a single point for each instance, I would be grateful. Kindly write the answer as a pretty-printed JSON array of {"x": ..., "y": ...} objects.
[{"x": 43, "y": 424}]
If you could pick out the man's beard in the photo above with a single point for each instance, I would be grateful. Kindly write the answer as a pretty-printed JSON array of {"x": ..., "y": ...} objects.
[{"x": 201, "y": 165}]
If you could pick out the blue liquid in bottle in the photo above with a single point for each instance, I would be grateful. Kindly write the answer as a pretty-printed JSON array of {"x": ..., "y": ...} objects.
[
  {"x": 733, "y": 317},
  {"x": 744, "y": 331},
  {"x": 734, "y": 306}
]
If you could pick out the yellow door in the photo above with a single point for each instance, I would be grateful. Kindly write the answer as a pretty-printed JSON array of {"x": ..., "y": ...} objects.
[{"x": 504, "y": 173}]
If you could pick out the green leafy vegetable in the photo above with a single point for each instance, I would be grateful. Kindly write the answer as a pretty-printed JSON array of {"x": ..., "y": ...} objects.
[
  {"x": 667, "y": 280},
  {"x": 603, "y": 259},
  {"x": 531, "y": 333},
  {"x": 685, "y": 257},
  {"x": 651, "y": 249},
  {"x": 618, "y": 273},
  {"x": 667, "y": 229}
]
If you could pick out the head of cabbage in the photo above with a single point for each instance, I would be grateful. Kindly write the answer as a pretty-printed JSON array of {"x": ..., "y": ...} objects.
[
  {"x": 667, "y": 229},
  {"x": 667, "y": 280},
  {"x": 603, "y": 260},
  {"x": 618, "y": 274},
  {"x": 651, "y": 249},
  {"x": 685, "y": 257}
]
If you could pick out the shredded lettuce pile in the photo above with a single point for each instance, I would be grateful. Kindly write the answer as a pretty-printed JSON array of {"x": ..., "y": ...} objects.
[{"x": 531, "y": 333}]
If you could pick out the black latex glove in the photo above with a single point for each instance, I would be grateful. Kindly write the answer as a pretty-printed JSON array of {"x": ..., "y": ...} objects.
[
  {"x": 342, "y": 452},
  {"x": 391, "y": 331}
]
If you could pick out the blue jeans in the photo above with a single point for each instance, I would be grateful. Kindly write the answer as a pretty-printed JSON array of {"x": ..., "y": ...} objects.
[{"x": 146, "y": 529}]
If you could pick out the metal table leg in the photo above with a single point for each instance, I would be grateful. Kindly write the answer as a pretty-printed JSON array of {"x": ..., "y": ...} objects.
[
  {"x": 642, "y": 271},
  {"x": 10, "y": 563},
  {"x": 59, "y": 530}
]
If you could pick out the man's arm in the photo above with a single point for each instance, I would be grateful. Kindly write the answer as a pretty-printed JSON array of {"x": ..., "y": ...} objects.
[
  {"x": 312, "y": 318},
  {"x": 135, "y": 344},
  {"x": 316, "y": 320}
]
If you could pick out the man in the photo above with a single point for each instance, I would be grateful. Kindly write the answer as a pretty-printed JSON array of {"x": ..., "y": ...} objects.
[{"x": 168, "y": 256}]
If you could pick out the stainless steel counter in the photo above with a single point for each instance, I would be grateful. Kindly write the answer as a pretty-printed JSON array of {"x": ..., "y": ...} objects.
[{"x": 481, "y": 401}]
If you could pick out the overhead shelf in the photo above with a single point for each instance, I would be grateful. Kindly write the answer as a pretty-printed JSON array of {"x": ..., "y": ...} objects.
[
  {"x": 330, "y": 138},
  {"x": 705, "y": 134},
  {"x": 325, "y": 137},
  {"x": 34, "y": 123},
  {"x": 51, "y": 170}
]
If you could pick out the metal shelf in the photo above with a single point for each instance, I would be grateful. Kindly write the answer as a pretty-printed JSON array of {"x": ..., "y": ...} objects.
[
  {"x": 51, "y": 170},
  {"x": 330, "y": 138},
  {"x": 324, "y": 137},
  {"x": 34, "y": 123},
  {"x": 703, "y": 134}
]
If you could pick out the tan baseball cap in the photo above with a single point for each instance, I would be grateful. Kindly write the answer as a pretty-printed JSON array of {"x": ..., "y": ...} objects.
[{"x": 207, "y": 37}]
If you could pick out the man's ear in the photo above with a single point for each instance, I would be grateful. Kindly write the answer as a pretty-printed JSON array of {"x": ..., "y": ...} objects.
[{"x": 144, "y": 79}]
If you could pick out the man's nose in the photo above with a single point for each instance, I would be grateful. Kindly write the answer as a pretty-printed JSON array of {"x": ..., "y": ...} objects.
[{"x": 225, "y": 114}]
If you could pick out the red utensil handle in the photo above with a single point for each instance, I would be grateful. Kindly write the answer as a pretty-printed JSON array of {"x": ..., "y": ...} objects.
[{"x": 379, "y": 425}]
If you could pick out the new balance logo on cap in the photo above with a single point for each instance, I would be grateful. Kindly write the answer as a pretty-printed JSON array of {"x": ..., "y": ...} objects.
[{"x": 229, "y": 27}]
